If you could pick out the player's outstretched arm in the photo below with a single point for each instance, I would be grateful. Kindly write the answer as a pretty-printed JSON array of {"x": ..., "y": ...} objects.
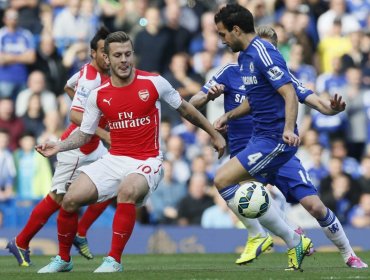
[
  {"x": 190, "y": 113},
  {"x": 200, "y": 99},
  {"x": 74, "y": 141},
  {"x": 331, "y": 107},
  {"x": 287, "y": 91}
]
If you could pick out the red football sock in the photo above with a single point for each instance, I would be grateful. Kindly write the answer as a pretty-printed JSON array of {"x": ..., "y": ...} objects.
[
  {"x": 123, "y": 225},
  {"x": 39, "y": 216},
  {"x": 67, "y": 229},
  {"x": 90, "y": 215}
]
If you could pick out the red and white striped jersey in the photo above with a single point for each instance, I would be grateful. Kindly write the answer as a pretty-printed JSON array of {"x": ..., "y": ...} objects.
[
  {"x": 87, "y": 79},
  {"x": 132, "y": 113}
]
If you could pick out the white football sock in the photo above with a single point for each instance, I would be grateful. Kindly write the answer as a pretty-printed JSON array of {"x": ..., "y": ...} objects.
[
  {"x": 334, "y": 231},
  {"x": 253, "y": 226},
  {"x": 274, "y": 223}
]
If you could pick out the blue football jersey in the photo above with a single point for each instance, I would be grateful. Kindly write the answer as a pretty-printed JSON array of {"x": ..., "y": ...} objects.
[
  {"x": 240, "y": 130},
  {"x": 263, "y": 71}
]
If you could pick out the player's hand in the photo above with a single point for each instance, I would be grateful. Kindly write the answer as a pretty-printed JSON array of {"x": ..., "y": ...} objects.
[
  {"x": 219, "y": 144},
  {"x": 47, "y": 149},
  {"x": 291, "y": 138},
  {"x": 220, "y": 124},
  {"x": 215, "y": 91},
  {"x": 337, "y": 103}
]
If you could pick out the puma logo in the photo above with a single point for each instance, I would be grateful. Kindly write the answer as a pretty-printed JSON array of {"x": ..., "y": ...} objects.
[{"x": 107, "y": 101}]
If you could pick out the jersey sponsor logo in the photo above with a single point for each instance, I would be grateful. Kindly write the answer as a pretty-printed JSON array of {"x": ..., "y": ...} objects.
[
  {"x": 239, "y": 98},
  {"x": 107, "y": 100},
  {"x": 130, "y": 123},
  {"x": 275, "y": 73},
  {"x": 144, "y": 94},
  {"x": 249, "y": 80}
]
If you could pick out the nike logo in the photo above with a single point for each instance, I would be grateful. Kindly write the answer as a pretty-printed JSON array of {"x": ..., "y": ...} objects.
[{"x": 107, "y": 101}]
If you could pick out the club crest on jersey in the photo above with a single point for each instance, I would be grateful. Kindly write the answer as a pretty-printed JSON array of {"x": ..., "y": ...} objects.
[
  {"x": 251, "y": 67},
  {"x": 144, "y": 94}
]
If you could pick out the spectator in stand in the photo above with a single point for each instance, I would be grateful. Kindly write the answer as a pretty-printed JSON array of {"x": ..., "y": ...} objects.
[
  {"x": 192, "y": 206},
  {"x": 34, "y": 116},
  {"x": 334, "y": 45},
  {"x": 310, "y": 138},
  {"x": 10, "y": 122},
  {"x": 356, "y": 57},
  {"x": 360, "y": 214},
  {"x": 181, "y": 77},
  {"x": 329, "y": 127},
  {"x": 340, "y": 197},
  {"x": 28, "y": 11},
  {"x": 364, "y": 180},
  {"x": 152, "y": 44},
  {"x": 71, "y": 26},
  {"x": 7, "y": 174},
  {"x": 36, "y": 85},
  {"x": 128, "y": 15},
  {"x": 17, "y": 50},
  {"x": 317, "y": 170},
  {"x": 175, "y": 154},
  {"x": 50, "y": 63},
  {"x": 76, "y": 56},
  {"x": 333, "y": 82},
  {"x": 189, "y": 17},
  {"x": 163, "y": 202},
  {"x": 354, "y": 95},
  {"x": 304, "y": 72},
  {"x": 218, "y": 215},
  {"x": 197, "y": 44},
  {"x": 298, "y": 6},
  {"x": 33, "y": 170},
  {"x": 350, "y": 165},
  {"x": 179, "y": 35},
  {"x": 337, "y": 9}
]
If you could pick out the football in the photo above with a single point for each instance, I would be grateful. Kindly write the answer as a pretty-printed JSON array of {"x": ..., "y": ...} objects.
[{"x": 252, "y": 199}]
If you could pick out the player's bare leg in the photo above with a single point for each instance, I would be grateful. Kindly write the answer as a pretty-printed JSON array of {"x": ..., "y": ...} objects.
[{"x": 333, "y": 229}]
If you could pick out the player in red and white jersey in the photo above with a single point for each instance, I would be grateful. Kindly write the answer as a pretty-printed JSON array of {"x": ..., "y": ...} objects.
[
  {"x": 89, "y": 77},
  {"x": 133, "y": 167}
]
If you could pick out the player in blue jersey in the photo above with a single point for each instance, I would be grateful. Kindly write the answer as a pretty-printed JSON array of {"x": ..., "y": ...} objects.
[
  {"x": 269, "y": 154},
  {"x": 227, "y": 81}
]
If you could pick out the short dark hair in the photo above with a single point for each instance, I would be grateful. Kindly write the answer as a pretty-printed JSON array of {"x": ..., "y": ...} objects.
[
  {"x": 234, "y": 14},
  {"x": 101, "y": 34},
  {"x": 116, "y": 37}
]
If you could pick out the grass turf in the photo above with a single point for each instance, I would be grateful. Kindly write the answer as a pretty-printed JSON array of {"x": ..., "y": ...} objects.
[{"x": 194, "y": 267}]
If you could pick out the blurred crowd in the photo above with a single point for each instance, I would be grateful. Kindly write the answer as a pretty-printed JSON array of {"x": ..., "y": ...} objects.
[{"x": 326, "y": 44}]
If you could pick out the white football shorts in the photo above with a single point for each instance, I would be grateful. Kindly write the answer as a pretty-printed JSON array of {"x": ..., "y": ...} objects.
[
  {"x": 67, "y": 167},
  {"x": 108, "y": 172}
]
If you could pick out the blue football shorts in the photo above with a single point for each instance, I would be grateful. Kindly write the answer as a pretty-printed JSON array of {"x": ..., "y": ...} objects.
[
  {"x": 263, "y": 156},
  {"x": 293, "y": 181}
]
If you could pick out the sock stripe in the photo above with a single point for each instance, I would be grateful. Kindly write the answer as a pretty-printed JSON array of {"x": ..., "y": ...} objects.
[
  {"x": 328, "y": 220},
  {"x": 228, "y": 192}
]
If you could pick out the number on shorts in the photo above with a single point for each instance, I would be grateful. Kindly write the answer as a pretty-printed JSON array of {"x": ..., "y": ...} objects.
[
  {"x": 145, "y": 168},
  {"x": 254, "y": 157},
  {"x": 304, "y": 176}
]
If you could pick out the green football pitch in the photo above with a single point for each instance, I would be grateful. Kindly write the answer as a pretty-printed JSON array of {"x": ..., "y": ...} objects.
[{"x": 194, "y": 267}]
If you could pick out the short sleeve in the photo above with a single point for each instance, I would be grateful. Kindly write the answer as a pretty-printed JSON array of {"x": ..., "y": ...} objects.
[
  {"x": 167, "y": 93},
  {"x": 92, "y": 114}
]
